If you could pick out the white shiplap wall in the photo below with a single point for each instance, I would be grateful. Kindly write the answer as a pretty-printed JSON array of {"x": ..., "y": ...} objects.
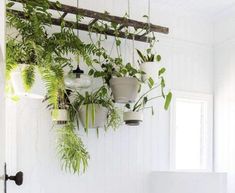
[
  {"x": 121, "y": 160},
  {"x": 224, "y": 92},
  {"x": 2, "y": 94}
]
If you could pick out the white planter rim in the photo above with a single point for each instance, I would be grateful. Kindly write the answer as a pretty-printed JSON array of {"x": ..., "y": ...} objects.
[{"x": 133, "y": 118}]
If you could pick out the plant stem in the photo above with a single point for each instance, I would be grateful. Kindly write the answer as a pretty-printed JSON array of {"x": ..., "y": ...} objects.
[{"x": 136, "y": 104}]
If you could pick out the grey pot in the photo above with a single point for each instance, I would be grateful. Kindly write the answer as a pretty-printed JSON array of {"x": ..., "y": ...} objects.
[
  {"x": 101, "y": 114},
  {"x": 124, "y": 89}
]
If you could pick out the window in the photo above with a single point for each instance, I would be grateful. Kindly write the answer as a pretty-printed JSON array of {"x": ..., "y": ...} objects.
[{"x": 191, "y": 132}]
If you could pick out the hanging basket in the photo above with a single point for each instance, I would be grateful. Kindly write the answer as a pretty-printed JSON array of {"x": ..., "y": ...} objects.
[
  {"x": 133, "y": 118},
  {"x": 86, "y": 113},
  {"x": 124, "y": 89},
  {"x": 37, "y": 91},
  {"x": 150, "y": 69},
  {"x": 60, "y": 116}
]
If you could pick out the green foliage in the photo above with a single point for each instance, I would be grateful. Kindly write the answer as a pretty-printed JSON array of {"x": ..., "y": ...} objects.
[
  {"x": 28, "y": 76},
  {"x": 53, "y": 78},
  {"x": 148, "y": 57},
  {"x": 144, "y": 99},
  {"x": 114, "y": 67},
  {"x": 71, "y": 150},
  {"x": 34, "y": 45},
  {"x": 100, "y": 97}
]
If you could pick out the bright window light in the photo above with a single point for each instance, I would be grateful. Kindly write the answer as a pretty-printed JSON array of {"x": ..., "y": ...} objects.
[{"x": 191, "y": 132}]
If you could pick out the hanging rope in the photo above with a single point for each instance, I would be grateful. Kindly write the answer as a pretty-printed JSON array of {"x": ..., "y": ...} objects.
[
  {"x": 78, "y": 35},
  {"x": 148, "y": 40}
]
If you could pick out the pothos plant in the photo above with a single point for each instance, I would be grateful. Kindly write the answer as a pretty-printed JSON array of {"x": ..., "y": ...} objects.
[
  {"x": 144, "y": 99},
  {"x": 109, "y": 66},
  {"x": 100, "y": 97}
]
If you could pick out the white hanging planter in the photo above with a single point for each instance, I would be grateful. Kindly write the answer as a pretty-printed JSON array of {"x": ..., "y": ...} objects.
[
  {"x": 60, "y": 116},
  {"x": 124, "y": 89},
  {"x": 133, "y": 118},
  {"x": 38, "y": 90},
  {"x": 150, "y": 69},
  {"x": 101, "y": 114}
]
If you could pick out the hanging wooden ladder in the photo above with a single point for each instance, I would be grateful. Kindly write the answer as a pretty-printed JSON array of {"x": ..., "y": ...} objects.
[{"x": 94, "y": 17}]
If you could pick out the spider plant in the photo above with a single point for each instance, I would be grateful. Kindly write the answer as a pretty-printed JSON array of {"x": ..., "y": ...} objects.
[
  {"x": 71, "y": 150},
  {"x": 148, "y": 56},
  {"x": 96, "y": 105}
]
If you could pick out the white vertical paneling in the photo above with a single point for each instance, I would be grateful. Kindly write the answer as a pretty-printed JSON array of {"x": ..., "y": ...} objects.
[
  {"x": 120, "y": 161},
  {"x": 2, "y": 90}
]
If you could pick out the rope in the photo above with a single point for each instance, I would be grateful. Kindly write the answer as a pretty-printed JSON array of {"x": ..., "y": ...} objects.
[
  {"x": 78, "y": 35},
  {"x": 148, "y": 18}
]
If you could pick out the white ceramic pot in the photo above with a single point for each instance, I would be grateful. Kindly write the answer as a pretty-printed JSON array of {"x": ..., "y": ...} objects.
[
  {"x": 101, "y": 114},
  {"x": 60, "y": 115},
  {"x": 133, "y": 118},
  {"x": 124, "y": 89},
  {"x": 84, "y": 81},
  {"x": 150, "y": 69},
  {"x": 38, "y": 90}
]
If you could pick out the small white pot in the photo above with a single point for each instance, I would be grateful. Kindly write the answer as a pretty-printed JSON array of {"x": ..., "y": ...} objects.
[
  {"x": 133, "y": 118},
  {"x": 60, "y": 116},
  {"x": 124, "y": 89},
  {"x": 101, "y": 114},
  {"x": 38, "y": 90},
  {"x": 150, "y": 69}
]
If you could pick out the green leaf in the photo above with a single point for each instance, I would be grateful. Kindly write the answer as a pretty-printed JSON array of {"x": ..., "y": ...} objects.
[
  {"x": 87, "y": 118},
  {"x": 150, "y": 82},
  {"x": 161, "y": 71},
  {"x": 168, "y": 100},
  {"x": 128, "y": 106},
  {"x": 28, "y": 77},
  {"x": 91, "y": 72},
  {"x": 93, "y": 114},
  {"x": 158, "y": 58}
]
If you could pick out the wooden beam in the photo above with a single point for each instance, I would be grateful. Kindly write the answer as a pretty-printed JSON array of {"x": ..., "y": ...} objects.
[
  {"x": 93, "y": 21},
  {"x": 105, "y": 17},
  {"x": 85, "y": 27}
]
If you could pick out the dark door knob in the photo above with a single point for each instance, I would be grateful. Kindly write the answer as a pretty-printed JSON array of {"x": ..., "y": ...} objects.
[{"x": 18, "y": 178}]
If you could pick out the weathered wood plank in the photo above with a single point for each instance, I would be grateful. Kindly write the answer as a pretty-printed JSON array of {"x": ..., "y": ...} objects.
[
  {"x": 105, "y": 17},
  {"x": 85, "y": 27}
]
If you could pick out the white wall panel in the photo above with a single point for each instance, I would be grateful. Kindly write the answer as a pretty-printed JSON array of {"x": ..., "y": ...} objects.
[{"x": 120, "y": 161}]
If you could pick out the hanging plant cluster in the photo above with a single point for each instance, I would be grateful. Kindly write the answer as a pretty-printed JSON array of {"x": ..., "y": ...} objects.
[{"x": 37, "y": 60}]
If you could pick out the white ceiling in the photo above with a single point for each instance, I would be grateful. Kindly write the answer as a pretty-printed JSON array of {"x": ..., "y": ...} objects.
[{"x": 206, "y": 7}]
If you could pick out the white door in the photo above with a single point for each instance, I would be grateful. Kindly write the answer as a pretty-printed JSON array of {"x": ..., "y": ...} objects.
[{"x": 2, "y": 98}]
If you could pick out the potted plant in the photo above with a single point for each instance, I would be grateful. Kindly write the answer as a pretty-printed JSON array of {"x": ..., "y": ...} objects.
[
  {"x": 134, "y": 115},
  {"x": 96, "y": 109},
  {"x": 32, "y": 50},
  {"x": 149, "y": 63},
  {"x": 122, "y": 79},
  {"x": 60, "y": 115}
]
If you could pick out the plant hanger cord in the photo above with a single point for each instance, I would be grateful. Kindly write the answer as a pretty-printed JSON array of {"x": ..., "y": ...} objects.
[
  {"x": 149, "y": 12},
  {"x": 133, "y": 37},
  {"x": 78, "y": 58}
]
